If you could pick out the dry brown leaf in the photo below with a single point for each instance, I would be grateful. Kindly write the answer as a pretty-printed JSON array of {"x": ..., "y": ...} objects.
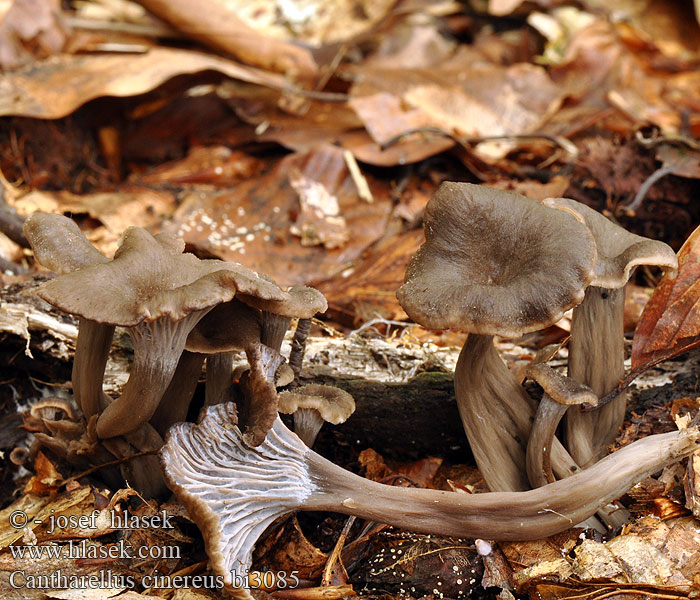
[
  {"x": 55, "y": 87},
  {"x": 319, "y": 221},
  {"x": 46, "y": 479},
  {"x": 366, "y": 290},
  {"x": 215, "y": 165},
  {"x": 417, "y": 474},
  {"x": 30, "y": 29},
  {"x": 117, "y": 210},
  {"x": 670, "y": 323},
  {"x": 289, "y": 550},
  {"x": 408, "y": 150},
  {"x": 462, "y": 98},
  {"x": 680, "y": 161},
  {"x": 218, "y": 25},
  {"x": 411, "y": 44},
  {"x": 251, "y": 223}
]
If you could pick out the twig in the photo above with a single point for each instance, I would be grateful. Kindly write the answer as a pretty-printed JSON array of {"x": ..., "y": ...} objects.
[
  {"x": 296, "y": 354},
  {"x": 11, "y": 223},
  {"x": 334, "y": 558},
  {"x": 556, "y": 140},
  {"x": 631, "y": 208},
  {"x": 111, "y": 463}
]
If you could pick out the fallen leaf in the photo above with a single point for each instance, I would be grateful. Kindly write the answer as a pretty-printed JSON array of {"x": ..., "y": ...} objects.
[
  {"x": 117, "y": 210},
  {"x": 416, "y": 474},
  {"x": 461, "y": 98},
  {"x": 30, "y": 29},
  {"x": 251, "y": 223},
  {"x": 417, "y": 565},
  {"x": 216, "y": 165},
  {"x": 289, "y": 550},
  {"x": 366, "y": 290},
  {"x": 670, "y": 323},
  {"x": 46, "y": 479},
  {"x": 217, "y": 24},
  {"x": 678, "y": 160},
  {"x": 319, "y": 221},
  {"x": 55, "y": 87}
]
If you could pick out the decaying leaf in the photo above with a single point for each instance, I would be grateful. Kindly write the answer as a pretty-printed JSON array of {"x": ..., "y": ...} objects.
[
  {"x": 46, "y": 478},
  {"x": 251, "y": 223},
  {"x": 670, "y": 323},
  {"x": 416, "y": 565},
  {"x": 288, "y": 549},
  {"x": 30, "y": 29},
  {"x": 55, "y": 87},
  {"x": 417, "y": 474},
  {"x": 319, "y": 221},
  {"x": 217, "y": 24},
  {"x": 361, "y": 292}
]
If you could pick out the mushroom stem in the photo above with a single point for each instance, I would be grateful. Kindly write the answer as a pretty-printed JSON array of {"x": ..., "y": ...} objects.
[
  {"x": 539, "y": 446},
  {"x": 496, "y": 413},
  {"x": 560, "y": 392},
  {"x": 218, "y": 382},
  {"x": 234, "y": 491},
  {"x": 158, "y": 345},
  {"x": 274, "y": 328},
  {"x": 296, "y": 354},
  {"x": 596, "y": 359},
  {"x": 307, "y": 424},
  {"x": 177, "y": 397},
  {"x": 91, "y": 354}
]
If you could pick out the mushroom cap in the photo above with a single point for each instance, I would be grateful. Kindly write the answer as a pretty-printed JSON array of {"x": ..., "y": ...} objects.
[
  {"x": 59, "y": 244},
  {"x": 149, "y": 278},
  {"x": 227, "y": 327},
  {"x": 333, "y": 404},
  {"x": 619, "y": 251},
  {"x": 496, "y": 263},
  {"x": 302, "y": 302}
]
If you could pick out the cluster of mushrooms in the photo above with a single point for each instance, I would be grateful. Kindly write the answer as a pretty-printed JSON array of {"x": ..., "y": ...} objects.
[
  {"x": 493, "y": 263},
  {"x": 179, "y": 311}
]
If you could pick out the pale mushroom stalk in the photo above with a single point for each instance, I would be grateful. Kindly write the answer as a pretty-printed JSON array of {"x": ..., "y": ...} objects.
[
  {"x": 218, "y": 378},
  {"x": 296, "y": 354},
  {"x": 495, "y": 412},
  {"x": 158, "y": 345},
  {"x": 89, "y": 363},
  {"x": 597, "y": 358},
  {"x": 234, "y": 492},
  {"x": 596, "y": 352},
  {"x": 274, "y": 328},
  {"x": 176, "y": 400},
  {"x": 560, "y": 392}
]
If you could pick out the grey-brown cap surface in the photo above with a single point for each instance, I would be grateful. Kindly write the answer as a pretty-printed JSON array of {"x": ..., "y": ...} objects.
[
  {"x": 619, "y": 250},
  {"x": 59, "y": 244},
  {"x": 149, "y": 278},
  {"x": 314, "y": 404},
  {"x": 300, "y": 302},
  {"x": 496, "y": 263}
]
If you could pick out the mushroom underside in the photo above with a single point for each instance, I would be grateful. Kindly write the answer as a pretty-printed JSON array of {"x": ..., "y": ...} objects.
[{"x": 234, "y": 492}]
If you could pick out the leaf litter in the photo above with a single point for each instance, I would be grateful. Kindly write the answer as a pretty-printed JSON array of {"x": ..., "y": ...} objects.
[{"x": 242, "y": 153}]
